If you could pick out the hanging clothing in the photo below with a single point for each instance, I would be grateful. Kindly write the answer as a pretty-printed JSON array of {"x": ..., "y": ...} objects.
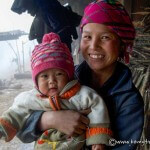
[
  {"x": 59, "y": 19},
  {"x": 20, "y": 6},
  {"x": 38, "y": 29}
]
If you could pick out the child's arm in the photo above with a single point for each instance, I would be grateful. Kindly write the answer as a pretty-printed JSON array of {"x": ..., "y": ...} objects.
[
  {"x": 99, "y": 131},
  {"x": 13, "y": 119},
  {"x": 99, "y": 128}
]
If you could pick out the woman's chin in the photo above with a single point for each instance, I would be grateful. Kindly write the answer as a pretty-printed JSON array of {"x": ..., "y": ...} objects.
[{"x": 96, "y": 66}]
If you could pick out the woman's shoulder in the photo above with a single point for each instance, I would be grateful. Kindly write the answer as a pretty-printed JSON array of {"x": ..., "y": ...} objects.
[
  {"x": 123, "y": 67},
  {"x": 123, "y": 83},
  {"x": 120, "y": 81},
  {"x": 121, "y": 88},
  {"x": 122, "y": 71}
]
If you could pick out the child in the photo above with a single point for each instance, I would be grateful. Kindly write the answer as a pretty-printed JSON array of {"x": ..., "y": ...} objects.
[{"x": 52, "y": 72}]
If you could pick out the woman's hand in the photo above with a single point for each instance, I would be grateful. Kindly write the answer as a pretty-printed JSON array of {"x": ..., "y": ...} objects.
[
  {"x": 98, "y": 147},
  {"x": 67, "y": 121}
]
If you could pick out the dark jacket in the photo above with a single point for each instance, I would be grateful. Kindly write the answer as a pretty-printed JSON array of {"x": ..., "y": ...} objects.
[
  {"x": 124, "y": 102},
  {"x": 20, "y": 6},
  {"x": 38, "y": 29}
]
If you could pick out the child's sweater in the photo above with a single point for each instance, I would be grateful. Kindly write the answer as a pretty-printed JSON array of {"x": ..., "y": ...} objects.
[{"x": 72, "y": 97}]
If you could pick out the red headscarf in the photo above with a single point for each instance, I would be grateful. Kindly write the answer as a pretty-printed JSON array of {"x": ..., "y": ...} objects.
[{"x": 113, "y": 14}]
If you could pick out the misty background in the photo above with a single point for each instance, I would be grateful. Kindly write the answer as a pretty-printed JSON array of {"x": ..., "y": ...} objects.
[{"x": 22, "y": 47}]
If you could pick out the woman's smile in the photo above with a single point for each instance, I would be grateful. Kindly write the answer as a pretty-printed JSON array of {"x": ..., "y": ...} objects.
[{"x": 96, "y": 56}]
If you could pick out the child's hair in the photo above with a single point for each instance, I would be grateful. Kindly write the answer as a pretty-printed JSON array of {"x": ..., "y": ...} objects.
[
  {"x": 112, "y": 14},
  {"x": 51, "y": 53}
]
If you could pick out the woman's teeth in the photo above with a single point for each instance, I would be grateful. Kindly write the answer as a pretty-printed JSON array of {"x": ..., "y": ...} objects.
[{"x": 96, "y": 56}]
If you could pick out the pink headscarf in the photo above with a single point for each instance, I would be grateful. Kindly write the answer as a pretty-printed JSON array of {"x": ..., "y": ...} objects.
[{"x": 113, "y": 14}]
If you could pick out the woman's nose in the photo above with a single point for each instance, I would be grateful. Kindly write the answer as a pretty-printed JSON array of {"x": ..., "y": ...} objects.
[{"x": 95, "y": 43}]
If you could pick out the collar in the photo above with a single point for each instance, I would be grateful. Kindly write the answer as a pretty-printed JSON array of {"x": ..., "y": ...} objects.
[
  {"x": 67, "y": 92},
  {"x": 70, "y": 89}
]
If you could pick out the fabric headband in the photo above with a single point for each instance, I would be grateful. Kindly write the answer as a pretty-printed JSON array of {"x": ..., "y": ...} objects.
[{"x": 112, "y": 14}]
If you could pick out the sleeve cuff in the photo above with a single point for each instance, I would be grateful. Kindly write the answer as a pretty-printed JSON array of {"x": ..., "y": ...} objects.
[{"x": 30, "y": 131}]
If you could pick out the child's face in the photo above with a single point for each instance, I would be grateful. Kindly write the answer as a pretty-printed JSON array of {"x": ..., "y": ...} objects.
[{"x": 52, "y": 81}]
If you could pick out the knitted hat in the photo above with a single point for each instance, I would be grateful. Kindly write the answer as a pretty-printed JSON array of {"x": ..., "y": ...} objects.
[
  {"x": 112, "y": 14},
  {"x": 51, "y": 53}
]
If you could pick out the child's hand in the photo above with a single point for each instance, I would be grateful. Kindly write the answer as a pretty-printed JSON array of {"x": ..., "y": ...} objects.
[{"x": 98, "y": 147}]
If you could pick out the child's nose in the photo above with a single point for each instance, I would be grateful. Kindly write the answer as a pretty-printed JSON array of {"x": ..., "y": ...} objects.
[{"x": 51, "y": 80}]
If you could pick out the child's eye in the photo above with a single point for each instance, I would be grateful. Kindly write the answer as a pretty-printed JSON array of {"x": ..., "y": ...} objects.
[
  {"x": 44, "y": 76},
  {"x": 59, "y": 73}
]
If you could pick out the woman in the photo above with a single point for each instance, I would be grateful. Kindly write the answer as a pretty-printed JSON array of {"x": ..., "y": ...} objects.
[{"x": 107, "y": 37}]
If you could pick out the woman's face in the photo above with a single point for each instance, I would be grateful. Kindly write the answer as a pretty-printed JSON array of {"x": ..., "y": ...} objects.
[{"x": 99, "y": 46}]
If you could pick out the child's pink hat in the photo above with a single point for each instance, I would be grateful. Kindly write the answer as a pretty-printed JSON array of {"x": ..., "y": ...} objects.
[{"x": 51, "y": 53}]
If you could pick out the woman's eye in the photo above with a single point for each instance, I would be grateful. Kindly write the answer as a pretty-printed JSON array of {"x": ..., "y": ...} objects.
[
  {"x": 105, "y": 37},
  {"x": 86, "y": 37}
]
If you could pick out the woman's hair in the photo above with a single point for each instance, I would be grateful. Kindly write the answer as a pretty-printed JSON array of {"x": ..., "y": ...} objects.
[{"x": 112, "y": 14}]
